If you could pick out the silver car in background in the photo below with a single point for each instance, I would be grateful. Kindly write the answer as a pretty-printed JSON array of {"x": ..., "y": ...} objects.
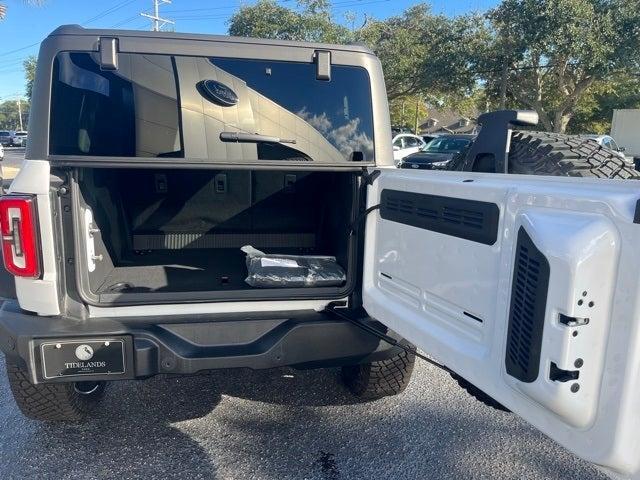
[
  {"x": 7, "y": 138},
  {"x": 20, "y": 139},
  {"x": 608, "y": 142}
]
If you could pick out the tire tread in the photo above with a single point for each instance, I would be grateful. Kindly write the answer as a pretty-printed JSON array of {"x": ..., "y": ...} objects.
[
  {"x": 380, "y": 379},
  {"x": 557, "y": 154},
  {"x": 51, "y": 402}
]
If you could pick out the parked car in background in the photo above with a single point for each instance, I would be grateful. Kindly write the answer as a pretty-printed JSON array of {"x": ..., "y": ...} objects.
[
  {"x": 395, "y": 130},
  {"x": 7, "y": 138},
  {"x": 438, "y": 152},
  {"x": 428, "y": 137},
  {"x": 625, "y": 128},
  {"x": 405, "y": 144},
  {"x": 608, "y": 142},
  {"x": 20, "y": 139}
]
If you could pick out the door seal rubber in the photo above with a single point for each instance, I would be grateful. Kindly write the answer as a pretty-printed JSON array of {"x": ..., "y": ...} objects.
[
  {"x": 355, "y": 225},
  {"x": 369, "y": 178}
]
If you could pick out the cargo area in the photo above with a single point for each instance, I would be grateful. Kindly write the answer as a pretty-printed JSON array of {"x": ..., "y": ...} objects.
[{"x": 158, "y": 235}]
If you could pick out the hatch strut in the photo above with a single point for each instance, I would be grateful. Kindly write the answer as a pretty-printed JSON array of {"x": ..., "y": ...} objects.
[{"x": 331, "y": 308}]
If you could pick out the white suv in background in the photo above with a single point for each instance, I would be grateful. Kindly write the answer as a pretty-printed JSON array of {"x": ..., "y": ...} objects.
[
  {"x": 608, "y": 142},
  {"x": 405, "y": 144},
  {"x": 20, "y": 139}
]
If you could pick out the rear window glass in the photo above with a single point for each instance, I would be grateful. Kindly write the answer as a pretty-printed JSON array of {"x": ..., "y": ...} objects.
[{"x": 217, "y": 109}]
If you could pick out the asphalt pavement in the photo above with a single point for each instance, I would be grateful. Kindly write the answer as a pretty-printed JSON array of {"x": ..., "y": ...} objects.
[{"x": 280, "y": 424}]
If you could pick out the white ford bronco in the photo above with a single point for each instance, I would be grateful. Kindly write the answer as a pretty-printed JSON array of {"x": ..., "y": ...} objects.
[{"x": 155, "y": 160}]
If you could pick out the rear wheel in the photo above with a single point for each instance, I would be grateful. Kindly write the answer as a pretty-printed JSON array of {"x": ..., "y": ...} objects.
[
  {"x": 478, "y": 394},
  {"x": 545, "y": 153},
  {"x": 53, "y": 402},
  {"x": 375, "y": 380}
]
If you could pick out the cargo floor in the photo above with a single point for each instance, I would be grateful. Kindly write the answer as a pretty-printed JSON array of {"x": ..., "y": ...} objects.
[{"x": 183, "y": 271}]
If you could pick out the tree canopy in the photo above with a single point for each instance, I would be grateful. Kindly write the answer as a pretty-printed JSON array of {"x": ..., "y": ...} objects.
[
  {"x": 9, "y": 118},
  {"x": 573, "y": 61},
  {"x": 29, "y": 66},
  {"x": 268, "y": 19},
  {"x": 550, "y": 53},
  {"x": 423, "y": 53}
]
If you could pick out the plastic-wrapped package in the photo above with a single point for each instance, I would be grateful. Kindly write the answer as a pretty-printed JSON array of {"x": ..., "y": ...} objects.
[{"x": 270, "y": 271}]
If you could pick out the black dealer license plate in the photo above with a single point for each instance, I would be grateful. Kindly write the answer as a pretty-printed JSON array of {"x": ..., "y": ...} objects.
[{"x": 82, "y": 357}]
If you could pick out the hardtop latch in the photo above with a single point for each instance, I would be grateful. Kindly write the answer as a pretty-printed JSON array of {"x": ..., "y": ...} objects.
[
  {"x": 108, "y": 53},
  {"x": 572, "y": 321}
]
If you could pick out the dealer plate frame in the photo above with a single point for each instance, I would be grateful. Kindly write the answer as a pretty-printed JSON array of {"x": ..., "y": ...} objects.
[{"x": 80, "y": 342}]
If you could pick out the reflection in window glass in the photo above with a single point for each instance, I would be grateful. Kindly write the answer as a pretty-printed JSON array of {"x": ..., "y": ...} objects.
[
  {"x": 130, "y": 112},
  {"x": 339, "y": 110},
  {"x": 165, "y": 106}
]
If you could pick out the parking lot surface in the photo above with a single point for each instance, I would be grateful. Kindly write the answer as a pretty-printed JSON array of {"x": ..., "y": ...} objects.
[{"x": 282, "y": 424}]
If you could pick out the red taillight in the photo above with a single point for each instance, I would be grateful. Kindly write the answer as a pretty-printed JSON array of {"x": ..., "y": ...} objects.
[{"x": 18, "y": 225}]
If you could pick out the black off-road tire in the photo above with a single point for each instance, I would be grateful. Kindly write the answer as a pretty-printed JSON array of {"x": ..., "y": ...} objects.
[
  {"x": 478, "y": 394},
  {"x": 53, "y": 402},
  {"x": 371, "y": 381},
  {"x": 553, "y": 154},
  {"x": 545, "y": 153}
]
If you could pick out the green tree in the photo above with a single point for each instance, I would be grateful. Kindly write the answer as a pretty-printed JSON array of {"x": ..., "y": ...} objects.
[
  {"x": 9, "y": 119},
  {"x": 408, "y": 110},
  {"x": 594, "y": 111},
  {"x": 267, "y": 19},
  {"x": 547, "y": 54},
  {"x": 29, "y": 66},
  {"x": 423, "y": 53}
]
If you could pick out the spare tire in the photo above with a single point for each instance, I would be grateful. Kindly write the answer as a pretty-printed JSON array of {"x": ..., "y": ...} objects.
[
  {"x": 557, "y": 154},
  {"x": 553, "y": 154}
]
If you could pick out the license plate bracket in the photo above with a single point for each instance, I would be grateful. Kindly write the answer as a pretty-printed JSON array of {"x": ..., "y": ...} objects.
[{"x": 82, "y": 357}]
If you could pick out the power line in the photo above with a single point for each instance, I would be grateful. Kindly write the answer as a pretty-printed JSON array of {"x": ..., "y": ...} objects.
[
  {"x": 85, "y": 22},
  {"x": 157, "y": 22},
  {"x": 127, "y": 21},
  {"x": 182, "y": 10},
  {"x": 108, "y": 11},
  {"x": 18, "y": 49}
]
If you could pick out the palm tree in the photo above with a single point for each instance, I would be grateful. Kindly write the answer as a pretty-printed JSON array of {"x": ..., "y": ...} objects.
[{"x": 3, "y": 7}]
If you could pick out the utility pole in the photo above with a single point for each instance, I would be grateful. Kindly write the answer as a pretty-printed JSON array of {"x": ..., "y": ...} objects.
[
  {"x": 504, "y": 79},
  {"x": 157, "y": 22},
  {"x": 20, "y": 114},
  {"x": 418, "y": 101}
]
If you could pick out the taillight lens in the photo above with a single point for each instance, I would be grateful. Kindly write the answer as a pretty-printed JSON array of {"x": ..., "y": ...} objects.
[{"x": 19, "y": 228}]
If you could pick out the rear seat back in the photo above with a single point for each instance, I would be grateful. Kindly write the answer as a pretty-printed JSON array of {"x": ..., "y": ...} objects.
[{"x": 174, "y": 209}]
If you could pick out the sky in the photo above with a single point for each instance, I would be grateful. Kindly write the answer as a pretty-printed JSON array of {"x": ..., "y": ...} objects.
[{"x": 25, "y": 26}]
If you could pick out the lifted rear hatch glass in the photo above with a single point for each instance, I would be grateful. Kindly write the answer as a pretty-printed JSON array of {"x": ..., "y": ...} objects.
[{"x": 186, "y": 107}]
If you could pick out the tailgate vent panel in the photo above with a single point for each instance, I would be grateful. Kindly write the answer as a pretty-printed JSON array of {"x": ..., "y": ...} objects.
[
  {"x": 528, "y": 304},
  {"x": 458, "y": 217}
]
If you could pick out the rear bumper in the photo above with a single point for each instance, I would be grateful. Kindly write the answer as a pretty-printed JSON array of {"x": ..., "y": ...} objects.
[{"x": 190, "y": 344}]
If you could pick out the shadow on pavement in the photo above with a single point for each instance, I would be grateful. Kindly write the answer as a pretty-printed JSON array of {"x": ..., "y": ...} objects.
[
  {"x": 131, "y": 436},
  {"x": 282, "y": 424}
]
